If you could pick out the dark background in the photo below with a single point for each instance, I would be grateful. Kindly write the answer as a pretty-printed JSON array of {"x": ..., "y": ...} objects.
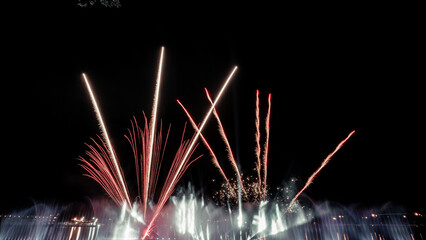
[{"x": 331, "y": 69}]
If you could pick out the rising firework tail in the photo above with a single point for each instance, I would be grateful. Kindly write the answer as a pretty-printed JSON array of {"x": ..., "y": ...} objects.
[
  {"x": 231, "y": 157},
  {"x": 254, "y": 189},
  {"x": 152, "y": 126},
  {"x": 257, "y": 149},
  {"x": 323, "y": 164},
  {"x": 266, "y": 147},
  {"x": 116, "y": 173},
  {"x": 262, "y": 161}
]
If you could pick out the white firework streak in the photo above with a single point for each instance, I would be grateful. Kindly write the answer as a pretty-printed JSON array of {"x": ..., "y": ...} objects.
[
  {"x": 152, "y": 126},
  {"x": 104, "y": 131}
]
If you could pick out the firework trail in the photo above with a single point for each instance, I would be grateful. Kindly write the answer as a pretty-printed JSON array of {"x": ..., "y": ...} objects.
[
  {"x": 228, "y": 146},
  {"x": 311, "y": 178},
  {"x": 266, "y": 147},
  {"x": 110, "y": 169},
  {"x": 262, "y": 186},
  {"x": 213, "y": 155},
  {"x": 257, "y": 137},
  {"x": 213, "y": 106},
  {"x": 180, "y": 162},
  {"x": 152, "y": 128}
]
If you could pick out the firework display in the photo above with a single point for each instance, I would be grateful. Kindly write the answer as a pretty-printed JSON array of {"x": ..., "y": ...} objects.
[{"x": 242, "y": 208}]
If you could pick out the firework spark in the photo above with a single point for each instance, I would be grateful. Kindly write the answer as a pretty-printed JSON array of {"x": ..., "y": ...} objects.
[{"x": 311, "y": 178}]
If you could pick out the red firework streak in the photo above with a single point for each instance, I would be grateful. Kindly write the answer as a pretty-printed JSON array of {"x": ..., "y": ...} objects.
[
  {"x": 262, "y": 186},
  {"x": 266, "y": 147},
  {"x": 228, "y": 146},
  {"x": 257, "y": 148},
  {"x": 213, "y": 155},
  {"x": 311, "y": 178},
  {"x": 100, "y": 168}
]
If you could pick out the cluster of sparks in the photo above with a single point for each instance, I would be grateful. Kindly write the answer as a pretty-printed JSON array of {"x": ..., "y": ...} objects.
[{"x": 148, "y": 145}]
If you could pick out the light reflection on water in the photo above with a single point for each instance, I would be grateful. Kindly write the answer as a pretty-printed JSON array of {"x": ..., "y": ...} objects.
[{"x": 190, "y": 217}]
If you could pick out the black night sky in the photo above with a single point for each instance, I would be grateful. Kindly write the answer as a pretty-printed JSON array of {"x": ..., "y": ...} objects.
[{"x": 330, "y": 69}]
